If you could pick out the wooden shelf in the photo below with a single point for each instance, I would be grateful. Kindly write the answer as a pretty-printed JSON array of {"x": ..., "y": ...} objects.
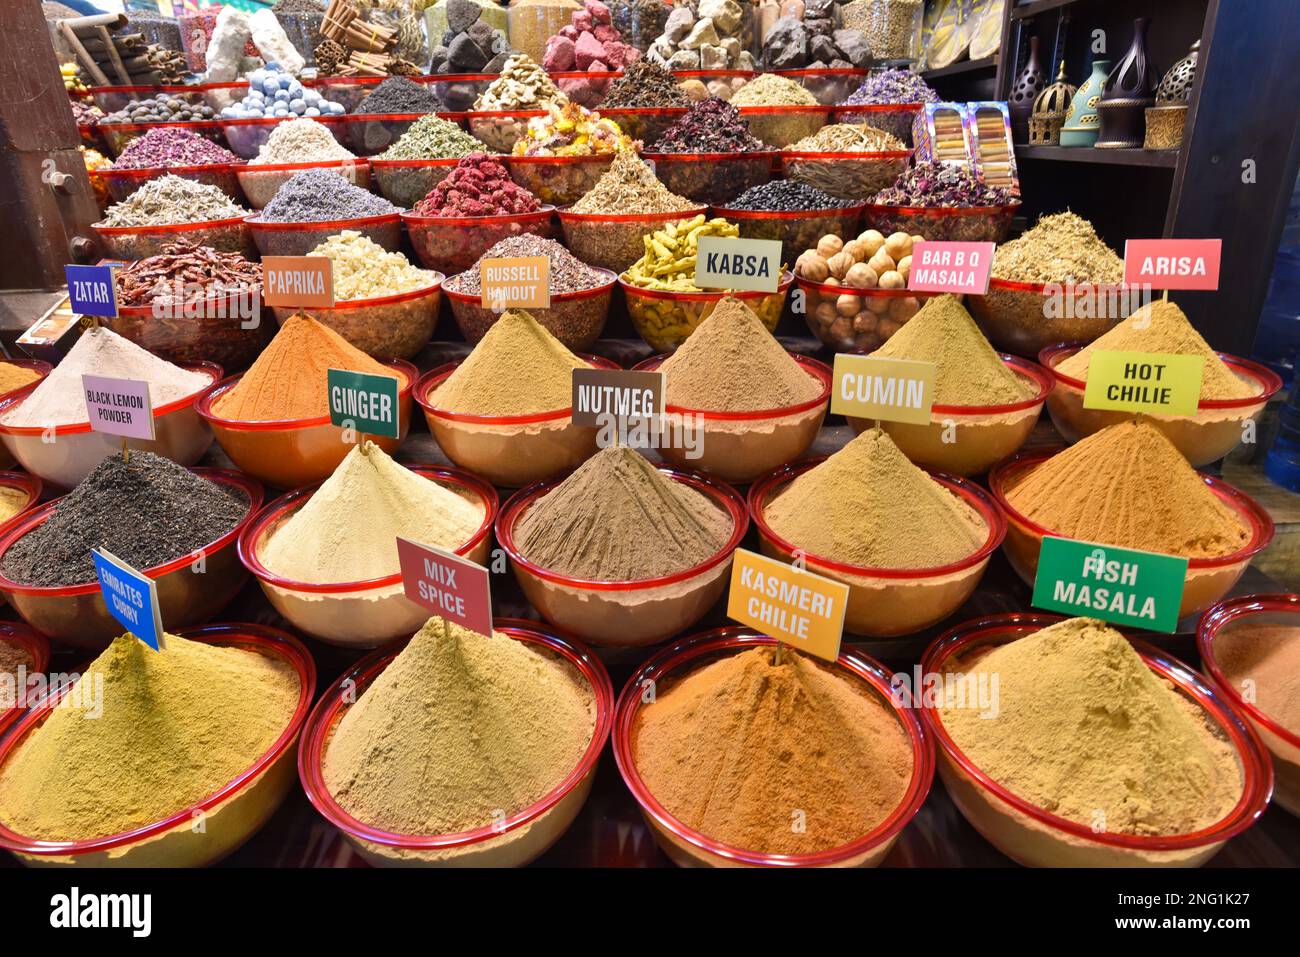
[
  {"x": 1164, "y": 159},
  {"x": 964, "y": 66}
]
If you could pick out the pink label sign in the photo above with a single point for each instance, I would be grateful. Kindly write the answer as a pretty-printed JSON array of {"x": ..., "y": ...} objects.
[
  {"x": 951, "y": 267},
  {"x": 119, "y": 406},
  {"x": 1173, "y": 263},
  {"x": 451, "y": 587}
]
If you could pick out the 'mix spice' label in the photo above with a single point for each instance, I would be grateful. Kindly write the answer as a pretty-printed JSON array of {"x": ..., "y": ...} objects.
[
  {"x": 446, "y": 584},
  {"x": 1121, "y": 585}
]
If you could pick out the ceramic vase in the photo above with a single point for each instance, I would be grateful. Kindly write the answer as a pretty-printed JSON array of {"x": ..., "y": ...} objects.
[
  {"x": 1082, "y": 124},
  {"x": 1020, "y": 101},
  {"x": 1129, "y": 90}
]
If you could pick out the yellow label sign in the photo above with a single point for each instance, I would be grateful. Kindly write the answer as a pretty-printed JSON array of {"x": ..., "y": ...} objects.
[
  {"x": 515, "y": 282},
  {"x": 1151, "y": 382},
  {"x": 891, "y": 390},
  {"x": 803, "y": 610},
  {"x": 725, "y": 263}
]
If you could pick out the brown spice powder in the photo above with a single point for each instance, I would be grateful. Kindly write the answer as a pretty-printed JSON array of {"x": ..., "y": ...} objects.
[
  {"x": 14, "y": 656},
  {"x": 1262, "y": 663}
]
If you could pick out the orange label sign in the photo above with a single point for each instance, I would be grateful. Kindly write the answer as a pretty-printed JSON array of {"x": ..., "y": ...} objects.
[
  {"x": 302, "y": 282},
  {"x": 803, "y": 610},
  {"x": 515, "y": 282}
]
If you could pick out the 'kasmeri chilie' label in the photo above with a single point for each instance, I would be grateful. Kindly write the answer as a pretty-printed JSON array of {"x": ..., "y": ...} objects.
[
  {"x": 515, "y": 282},
  {"x": 750, "y": 264},
  {"x": 616, "y": 395},
  {"x": 298, "y": 282},
  {"x": 803, "y": 610},
  {"x": 887, "y": 390},
  {"x": 1150, "y": 382},
  {"x": 364, "y": 402},
  {"x": 1120, "y": 585},
  {"x": 452, "y": 587}
]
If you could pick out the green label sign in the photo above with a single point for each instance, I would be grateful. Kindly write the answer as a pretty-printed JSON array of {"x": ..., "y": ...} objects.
[
  {"x": 1128, "y": 587},
  {"x": 364, "y": 402}
]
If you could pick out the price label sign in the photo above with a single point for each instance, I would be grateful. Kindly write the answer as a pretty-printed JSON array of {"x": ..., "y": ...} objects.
[
  {"x": 452, "y": 587},
  {"x": 803, "y": 610},
  {"x": 131, "y": 598},
  {"x": 119, "y": 406},
  {"x": 1150, "y": 382},
  {"x": 364, "y": 402},
  {"x": 889, "y": 390},
  {"x": 616, "y": 395},
  {"x": 299, "y": 282},
  {"x": 751, "y": 264},
  {"x": 1173, "y": 263},
  {"x": 951, "y": 267},
  {"x": 1120, "y": 585},
  {"x": 91, "y": 290},
  {"x": 515, "y": 282}
]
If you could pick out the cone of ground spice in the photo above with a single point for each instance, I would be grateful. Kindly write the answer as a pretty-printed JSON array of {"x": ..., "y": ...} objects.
[
  {"x": 967, "y": 370},
  {"x": 1127, "y": 485},
  {"x": 289, "y": 379},
  {"x": 731, "y": 363},
  {"x": 746, "y": 746},
  {"x": 867, "y": 505},
  {"x": 1162, "y": 327}
]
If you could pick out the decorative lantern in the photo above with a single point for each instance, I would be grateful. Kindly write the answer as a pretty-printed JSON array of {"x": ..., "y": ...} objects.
[
  {"x": 1050, "y": 110},
  {"x": 1129, "y": 90},
  {"x": 1167, "y": 119}
]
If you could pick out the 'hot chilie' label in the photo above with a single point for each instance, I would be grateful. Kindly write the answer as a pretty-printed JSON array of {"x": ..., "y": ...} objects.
[{"x": 1150, "y": 382}]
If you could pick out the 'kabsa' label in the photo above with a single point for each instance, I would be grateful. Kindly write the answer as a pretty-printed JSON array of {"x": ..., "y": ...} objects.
[
  {"x": 119, "y": 406},
  {"x": 364, "y": 402},
  {"x": 515, "y": 282},
  {"x": 1150, "y": 382},
  {"x": 747, "y": 264},
  {"x": 1120, "y": 585},
  {"x": 130, "y": 596},
  {"x": 889, "y": 390},
  {"x": 616, "y": 396},
  {"x": 446, "y": 584},
  {"x": 91, "y": 290},
  {"x": 950, "y": 267},
  {"x": 299, "y": 282},
  {"x": 803, "y": 610},
  {"x": 1173, "y": 263}
]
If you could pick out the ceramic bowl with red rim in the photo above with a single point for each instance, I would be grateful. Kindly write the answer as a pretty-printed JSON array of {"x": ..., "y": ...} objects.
[
  {"x": 451, "y": 244},
  {"x": 384, "y": 327},
  {"x": 299, "y": 239},
  {"x": 893, "y": 118},
  {"x": 1036, "y": 837},
  {"x": 232, "y": 814},
  {"x": 1214, "y": 431},
  {"x": 779, "y": 126},
  {"x": 797, "y": 229},
  {"x": 261, "y": 181},
  {"x": 63, "y": 455},
  {"x": 291, "y": 453},
  {"x": 29, "y": 683},
  {"x": 357, "y": 614},
  {"x": 685, "y": 845},
  {"x": 738, "y": 447},
  {"x": 887, "y": 602},
  {"x": 191, "y": 587},
  {"x": 711, "y": 178},
  {"x": 969, "y": 439},
  {"x": 508, "y": 450},
  {"x": 974, "y": 224},
  {"x": 575, "y": 318},
  {"x": 371, "y": 133},
  {"x": 121, "y": 183},
  {"x": 831, "y": 85},
  {"x": 230, "y": 329},
  {"x": 845, "y": 174},
  {"x": 117, "y": 136},
  {"x": 1232, "y": 621},
  {"x": 404, "y": 182},
  {"x": 247, "y": 136},
  {"x": 140, "y": 242},
  {"x": 558, "y": 180},
  {"x": 665, "y": 318},
  {"x": 525, "y": 833},
  {"x": 626, "y": 614},
  {"x": 1027, "y": 317},
  {"x": 850, "y": 319},
  {"x": 1208, "y": 579},
  {"x": 42, "y": 369},
  {"x": 644, "y": 123},
  {"x": 499, "y": 130},
  {"x": 26, "y": 489},
  {"x": 615, "y": 240}
]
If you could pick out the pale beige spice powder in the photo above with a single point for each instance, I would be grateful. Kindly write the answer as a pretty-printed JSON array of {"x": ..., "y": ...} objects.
[{"x": 1061, "y": 248}]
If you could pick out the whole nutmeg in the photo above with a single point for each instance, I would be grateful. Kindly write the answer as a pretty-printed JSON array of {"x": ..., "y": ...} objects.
[
  {"x": 829, "y": 245},
  {"x": 874, "y": 239},
  {"x": 892, "y": 279},
  {"x": 898, "y": 245},
  {"x": 825, "y": 312},
  {"x": 881, "y": 262},
  {"x": 840, "y": 264},
  {"x": 905, "y": 266},
  {"x": 864, "y": 322},
  {"x": 886, "y": 328},
  {"x": 862, "y": 276},
  {"x": 858, "y": 250},
  {"x": 848, "y": 305},
  {"x": 812, "y": 266}
]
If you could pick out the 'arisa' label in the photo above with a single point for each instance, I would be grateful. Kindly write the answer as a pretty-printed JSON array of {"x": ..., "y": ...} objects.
[
  {"x": 131, "y": 597},
  {"x": 515, "y": 282},
  {"x": 950, "y": 267},
  {"x": 889, "y": 390},
  {"x": 1173, "y": 263},
  {"x": 119, "y": 406},
  {"x": 91, "y": 290},
  {"x": 364, "y": 402},
  {"x": 452, "y": 587},
  {"x": 1120, "y": 585},
  {"x": 616, "y": 395},
  {"x": 751, "y": 264},
  {"x": 1151, "y": 382},
  {"x": 299, "y": 282},
  {"x": 804, "y": 610}
]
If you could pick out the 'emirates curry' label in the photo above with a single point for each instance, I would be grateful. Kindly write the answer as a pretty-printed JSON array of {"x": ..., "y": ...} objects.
[
  {"x": 1120, "y": 585},
  {"x": 803, "y": 610},
  {"x": 1150, "y": 382}
]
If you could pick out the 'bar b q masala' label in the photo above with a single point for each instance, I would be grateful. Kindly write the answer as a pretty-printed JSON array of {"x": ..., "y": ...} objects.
[
  {"x": 796, "y": 607},
  {"x": 956, "y": 267},
  {"x": 515, "y": 282}
]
